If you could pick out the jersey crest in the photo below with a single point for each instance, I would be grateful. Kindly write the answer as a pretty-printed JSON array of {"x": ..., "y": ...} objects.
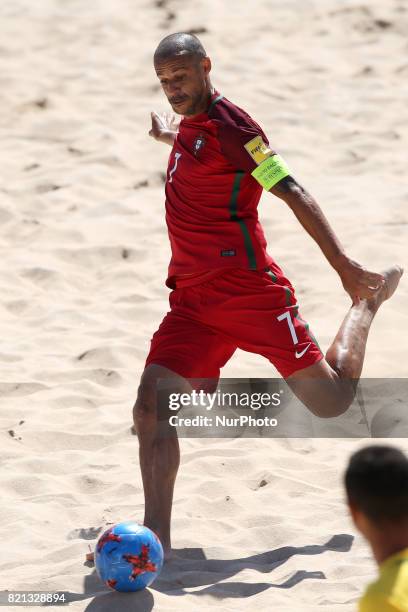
[{"x": 198, "y": 144}]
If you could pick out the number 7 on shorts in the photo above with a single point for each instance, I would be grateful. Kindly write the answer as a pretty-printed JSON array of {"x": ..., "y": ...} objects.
[{"x": 286, "y": 315}]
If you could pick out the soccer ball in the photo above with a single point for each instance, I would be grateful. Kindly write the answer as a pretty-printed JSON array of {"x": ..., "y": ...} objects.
[{"x": 128, "y": 557}]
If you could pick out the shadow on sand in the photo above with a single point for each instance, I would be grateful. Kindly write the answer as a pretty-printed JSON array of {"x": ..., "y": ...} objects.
[{"x": 190, "y": 568}]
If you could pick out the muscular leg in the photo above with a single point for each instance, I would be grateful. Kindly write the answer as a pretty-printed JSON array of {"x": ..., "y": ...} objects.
[
  {"x": 159, "y": 454},
  {"x": 328, "y": 387}
]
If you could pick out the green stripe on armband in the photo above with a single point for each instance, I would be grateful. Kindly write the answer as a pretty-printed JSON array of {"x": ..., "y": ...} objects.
[{"x": 271, "y": 171}]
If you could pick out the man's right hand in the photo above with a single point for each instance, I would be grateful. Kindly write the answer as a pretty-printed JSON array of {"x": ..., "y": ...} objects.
[
  {"x": 164, "y": 127},
  {"x": 359, "y": 282}
]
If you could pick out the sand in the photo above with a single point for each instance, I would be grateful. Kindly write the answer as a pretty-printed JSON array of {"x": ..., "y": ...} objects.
[{"x": 84, "y": 253}]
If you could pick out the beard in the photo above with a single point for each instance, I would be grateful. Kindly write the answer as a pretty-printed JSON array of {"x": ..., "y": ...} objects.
[{"x": 195, "y": 104}]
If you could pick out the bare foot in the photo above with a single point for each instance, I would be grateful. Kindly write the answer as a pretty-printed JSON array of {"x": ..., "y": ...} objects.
[
  {"x": 168, "y": 554},
  {"x": 165, "y": 542},
  {"x": 392, "y": 278}
]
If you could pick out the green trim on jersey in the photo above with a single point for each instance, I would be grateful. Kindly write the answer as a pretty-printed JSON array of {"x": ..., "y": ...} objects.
[
  {"x": 288, "y": 296},
  {"x": 307, "y": 327},
  {"x": 214, "y": 102},
  {"x": 288, "y": 293},
  {"x": 248, "y": 244},
  {"x": 233, "y": 206},
  {"x": 272, "y": 275}
]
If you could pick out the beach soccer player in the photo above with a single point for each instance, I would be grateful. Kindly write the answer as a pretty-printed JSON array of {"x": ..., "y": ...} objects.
[
  {"x": 376, "y": 482},
  {"x": 227, "y": 291}
]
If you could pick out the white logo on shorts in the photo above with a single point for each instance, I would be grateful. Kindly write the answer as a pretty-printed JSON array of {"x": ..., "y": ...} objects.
[{"x": 299, "y": 355}]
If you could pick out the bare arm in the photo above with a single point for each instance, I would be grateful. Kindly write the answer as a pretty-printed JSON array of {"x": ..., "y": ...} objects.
[
  {"x": 164, "y": 128},
  {"x": 356, "y": 280}
]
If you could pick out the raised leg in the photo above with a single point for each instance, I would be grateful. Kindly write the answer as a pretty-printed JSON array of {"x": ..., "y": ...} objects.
[{"x": 328, "y": 387}]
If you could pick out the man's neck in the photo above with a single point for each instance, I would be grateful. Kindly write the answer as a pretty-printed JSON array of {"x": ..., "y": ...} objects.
[{"x": 386, "y": 546}]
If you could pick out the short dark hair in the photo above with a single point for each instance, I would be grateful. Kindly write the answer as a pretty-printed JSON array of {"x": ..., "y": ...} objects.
[
  {"x": 179, "y": 43},
  {"x": 376, "y": 482}
]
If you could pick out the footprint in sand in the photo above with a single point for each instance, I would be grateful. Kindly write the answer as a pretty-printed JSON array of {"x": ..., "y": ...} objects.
[{"x": 20, "y": 389}]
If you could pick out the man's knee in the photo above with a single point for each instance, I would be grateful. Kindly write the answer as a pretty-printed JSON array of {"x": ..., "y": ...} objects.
[
  {"x": 151, "y": 405},
  {"x": 145, "y": 407},
  {"x": 322, "y": 390},
  {"x": 325, "y": 398},
  {"x": 330, "y": 407}
]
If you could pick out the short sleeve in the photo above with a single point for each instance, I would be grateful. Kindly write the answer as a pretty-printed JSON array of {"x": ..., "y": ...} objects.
[
  {"x": 244, "y": 148},
  {"x": 241, "y": 139}
]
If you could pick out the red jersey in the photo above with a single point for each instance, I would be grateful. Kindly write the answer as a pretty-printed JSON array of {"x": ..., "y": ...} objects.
[{"x": 211, "y": 197}]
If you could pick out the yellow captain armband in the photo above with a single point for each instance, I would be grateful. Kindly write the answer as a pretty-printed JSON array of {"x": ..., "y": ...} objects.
[{"x": 271, "y": 171}]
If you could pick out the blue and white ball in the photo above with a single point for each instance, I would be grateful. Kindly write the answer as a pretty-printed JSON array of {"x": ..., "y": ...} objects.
[{"x": 128, "y": 557}]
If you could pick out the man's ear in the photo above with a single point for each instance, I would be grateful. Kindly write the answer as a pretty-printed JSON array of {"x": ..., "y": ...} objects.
[
  {"x": 354, "y": 512},
  {"x": 359, "y": 518},
  {"x": 206, "y": 64}
]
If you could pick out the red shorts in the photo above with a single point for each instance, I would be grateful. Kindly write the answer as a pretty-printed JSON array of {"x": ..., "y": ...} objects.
[{"x": 253, "y": 310}]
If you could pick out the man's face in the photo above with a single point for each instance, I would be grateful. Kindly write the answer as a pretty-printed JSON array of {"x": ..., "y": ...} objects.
[{"x": 183, "y": 80}]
